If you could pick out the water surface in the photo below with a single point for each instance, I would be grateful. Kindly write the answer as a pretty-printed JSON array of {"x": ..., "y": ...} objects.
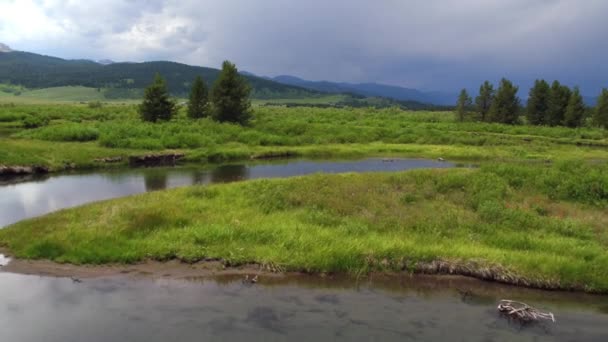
[
  {"x": 36, "y": 196},
  {"x": 120, "y": 309}
]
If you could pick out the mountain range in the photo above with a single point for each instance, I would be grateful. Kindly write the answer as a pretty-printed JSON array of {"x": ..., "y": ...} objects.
[
  {"x": 122, "y": 80},
  {"x": 127, "y": 79},
  {"x": 371, "y": 89}
]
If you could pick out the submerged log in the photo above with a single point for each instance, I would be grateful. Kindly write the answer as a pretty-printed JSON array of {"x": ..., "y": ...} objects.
[
  {"x": 523, "y": 312},
  {"x": 156, "y": 159}
]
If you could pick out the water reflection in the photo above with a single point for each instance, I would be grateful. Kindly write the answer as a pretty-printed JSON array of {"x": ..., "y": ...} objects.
[
  {"x": 156, "y": 180},
  {"x": 122, "y": 309},
  {"x": 34, "y": 196},
  {"x": 229, "y": 173}
]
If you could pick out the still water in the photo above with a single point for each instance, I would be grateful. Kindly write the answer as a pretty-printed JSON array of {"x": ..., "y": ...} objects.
[
  {"x": 304, "y": 308},
  {"x": 299, "y": 309},
  {"x": 38, "y": 196}
]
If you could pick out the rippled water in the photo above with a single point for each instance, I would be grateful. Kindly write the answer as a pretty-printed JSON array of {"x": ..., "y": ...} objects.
[
  {"x": 293, "y": 309},
  {"x": 37, "y": 196}
]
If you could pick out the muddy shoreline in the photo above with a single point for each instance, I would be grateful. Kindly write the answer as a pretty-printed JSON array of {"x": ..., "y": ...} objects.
[{"x": 176, "y": 269}]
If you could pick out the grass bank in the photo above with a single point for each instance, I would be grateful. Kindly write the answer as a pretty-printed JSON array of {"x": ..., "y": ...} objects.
[{"x": 528, "y": 224}]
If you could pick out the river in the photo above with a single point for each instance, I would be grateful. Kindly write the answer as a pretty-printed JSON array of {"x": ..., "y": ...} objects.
[{"x": 284, "y": 308}]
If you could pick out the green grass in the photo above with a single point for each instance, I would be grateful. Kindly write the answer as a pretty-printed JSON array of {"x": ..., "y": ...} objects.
[
  {"x": 545, "y": 224},
  {"x": 322, "y": 99},
  {"x": 536, "y": 207},
  {"x": 57, "y": 95},
  {"x": 75, "y": 93},
  {"x": 289, "y": 131}
]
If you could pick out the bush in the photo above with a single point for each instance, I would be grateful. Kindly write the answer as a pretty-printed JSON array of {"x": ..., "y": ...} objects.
[
  {"x": 32, "y": 121},
  {"x": 66, "y": 132},
  {"x": 10, "y": 117}
]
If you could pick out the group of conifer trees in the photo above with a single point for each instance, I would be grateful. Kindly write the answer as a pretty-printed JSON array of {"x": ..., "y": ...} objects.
[
  {"x": 228, "y": 100},
  {"x": 550, "y": 105}
]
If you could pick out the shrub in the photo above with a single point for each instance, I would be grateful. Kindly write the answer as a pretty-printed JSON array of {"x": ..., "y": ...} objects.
[
  {"x": 66, "y": 132},
  {"x": 36, "y": 121},
  {"x": 95, "y": 104}
]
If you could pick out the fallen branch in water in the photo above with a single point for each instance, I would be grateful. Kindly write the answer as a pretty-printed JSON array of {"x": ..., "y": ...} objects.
[{"x": 523, "y": 311}]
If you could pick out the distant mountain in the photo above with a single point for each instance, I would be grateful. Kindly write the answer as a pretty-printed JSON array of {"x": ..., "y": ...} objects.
[
  {"x": 371, "y": 89},
  {"x": 123, "y": 79},
  {"x": 105, "y": 61},
  {"x": 4, "y": 48}
]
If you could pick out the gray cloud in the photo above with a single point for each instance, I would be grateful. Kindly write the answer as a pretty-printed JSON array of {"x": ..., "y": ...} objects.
[{"x": 433, "y": 44}]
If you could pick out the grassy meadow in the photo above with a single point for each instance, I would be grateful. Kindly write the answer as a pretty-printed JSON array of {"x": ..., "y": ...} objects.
[
  {"x": 82, "y": 133},
  {"x": 533, "y": 213}
]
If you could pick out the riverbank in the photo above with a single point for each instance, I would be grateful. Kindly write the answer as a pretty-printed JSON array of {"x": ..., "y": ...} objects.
[
  {"x": 461, "y": 273},
  {"x": 538, "y": 225}
]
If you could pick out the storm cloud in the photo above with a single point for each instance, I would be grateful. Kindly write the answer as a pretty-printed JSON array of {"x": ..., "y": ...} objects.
[{"x": 432, "y": 44}]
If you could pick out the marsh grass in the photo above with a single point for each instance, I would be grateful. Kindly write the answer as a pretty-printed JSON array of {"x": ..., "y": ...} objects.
[
  {"x": 353, "y": 223},
  {"x": 80, "y": 134}
]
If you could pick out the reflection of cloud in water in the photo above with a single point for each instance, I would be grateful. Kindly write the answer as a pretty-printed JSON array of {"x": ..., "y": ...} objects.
[
  {"x": 30, "y": 199},
  {"x": 121, "y": 309}
]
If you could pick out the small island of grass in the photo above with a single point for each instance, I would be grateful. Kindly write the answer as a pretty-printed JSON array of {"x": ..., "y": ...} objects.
[{"x": 528, "y": 224}]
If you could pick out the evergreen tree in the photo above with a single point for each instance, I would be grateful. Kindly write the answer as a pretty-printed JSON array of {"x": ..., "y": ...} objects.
[
  {"x": 575, "y": 111},
  {"x": 230, "y": 96},
  {"x": 558, "y": 101},
  {"x": 601, "y": 111},
  {"x": 157, "y": 104},
  {"x": 464, "y": 103},
  {"x": 484, "y": 100},
  {"x": 538, "y": 103},
  {"x": 505, "y": 106},
  {"x": 198, "y": 106}
]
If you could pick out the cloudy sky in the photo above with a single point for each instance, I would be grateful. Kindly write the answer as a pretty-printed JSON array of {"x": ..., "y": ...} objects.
[{"x": 426, "y": 44}]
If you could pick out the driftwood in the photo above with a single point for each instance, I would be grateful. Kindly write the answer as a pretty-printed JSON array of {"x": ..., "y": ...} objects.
[
  {"x": 523, "y": 312},
  {"x": 250, "y": 281}
]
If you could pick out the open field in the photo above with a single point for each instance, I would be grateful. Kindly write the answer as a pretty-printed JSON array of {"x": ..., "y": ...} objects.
[{"x": 59, "y": 95}]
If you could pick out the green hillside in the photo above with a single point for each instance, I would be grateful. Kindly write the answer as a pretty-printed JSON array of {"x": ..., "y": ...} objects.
[{"x": 123, "y": 80}]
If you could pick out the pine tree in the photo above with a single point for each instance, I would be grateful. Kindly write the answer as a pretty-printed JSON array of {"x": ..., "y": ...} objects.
[
  {"x": 558, "y": 101},
  {"x": 230, "y": 96},
  {"x": 505, "y": 107},
  {"x": 538, "y": 103},
  {"x": 464, "y": 103},
  {"x": 601, "y": 111},
  {"x": 575, "y": 111},
  {"x": 198, "y": 106},
  {"x": 484, "y": 100},
  {"x": 157, "y": 105}
]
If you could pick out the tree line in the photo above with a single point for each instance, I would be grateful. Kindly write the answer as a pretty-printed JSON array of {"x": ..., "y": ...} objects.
[
  {"x": 550, "y": 105},
  {"x": 228, "y": 100}
]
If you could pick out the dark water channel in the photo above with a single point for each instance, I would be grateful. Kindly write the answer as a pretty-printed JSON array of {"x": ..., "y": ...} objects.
[
  {"x": 37, "y": 196},
  {"x": 301, "y": 309}
]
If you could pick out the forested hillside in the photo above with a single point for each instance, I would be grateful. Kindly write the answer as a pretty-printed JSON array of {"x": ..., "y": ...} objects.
[{"x": 122, "y": 79}]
